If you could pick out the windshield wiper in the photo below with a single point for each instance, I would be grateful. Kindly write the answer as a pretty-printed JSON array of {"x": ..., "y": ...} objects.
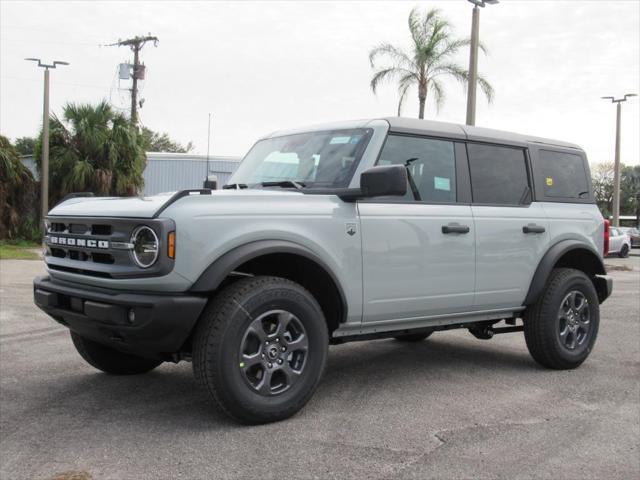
[
  {"x": 285, "y": 184},
  {"x": 234, "y": 186}
]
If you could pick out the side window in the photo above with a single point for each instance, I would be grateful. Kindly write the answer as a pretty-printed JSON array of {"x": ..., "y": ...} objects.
[
  {"x": 563, "y": 175},
  {"x": 431, "y": 166},
  {"x": 498, "y": 175}
]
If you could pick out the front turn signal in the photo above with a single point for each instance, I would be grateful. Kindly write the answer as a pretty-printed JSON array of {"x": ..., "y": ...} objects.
[{"x": 171, "y": 245}]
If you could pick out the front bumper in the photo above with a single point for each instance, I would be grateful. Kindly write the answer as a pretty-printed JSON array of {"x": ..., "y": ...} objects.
[{"x": 150, "y": 325}]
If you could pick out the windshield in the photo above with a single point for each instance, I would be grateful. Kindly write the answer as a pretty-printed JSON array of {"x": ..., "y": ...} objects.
[{"x": 314, "y": 159}]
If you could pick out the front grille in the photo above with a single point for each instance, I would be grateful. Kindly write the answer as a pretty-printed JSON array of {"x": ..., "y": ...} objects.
[
  {"x": 77, "y": 228},
  {"x": 100, "y": 229},
  {"x": 102, "y": 258},
  {"x": 100, "y": 246}
]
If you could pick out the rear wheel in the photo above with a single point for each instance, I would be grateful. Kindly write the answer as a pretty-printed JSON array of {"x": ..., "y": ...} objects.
[
  {"x": 260, "y": 349},
  {"x": 624, "y": 251},
  {"x": 110, "y": 360},
  {"x": 560, "y": 329},
  {"x": 414, "y": 337}
]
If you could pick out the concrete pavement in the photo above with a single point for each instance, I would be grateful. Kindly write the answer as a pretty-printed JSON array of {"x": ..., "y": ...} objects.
[{"x": 449, "y": 407}]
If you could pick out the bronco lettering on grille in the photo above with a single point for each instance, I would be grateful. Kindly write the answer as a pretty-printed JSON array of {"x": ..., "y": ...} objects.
[{"x": 78, "y": 242}]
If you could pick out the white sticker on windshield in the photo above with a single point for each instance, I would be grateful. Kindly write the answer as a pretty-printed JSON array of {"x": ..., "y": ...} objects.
[{"x": 335, "y": 140}]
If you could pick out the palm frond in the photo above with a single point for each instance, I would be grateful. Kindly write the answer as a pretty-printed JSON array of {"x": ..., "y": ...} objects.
[
  {"x": 406, "y": 82},
  {"x": 382, "y": 76},
  {"x": 486, "y": 87},
  {"x": 393, "y": 54},
  {"x": 438, "y": 93}
]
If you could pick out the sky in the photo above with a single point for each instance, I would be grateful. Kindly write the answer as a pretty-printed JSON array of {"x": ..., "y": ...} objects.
[{"x": 262, "y": 66}]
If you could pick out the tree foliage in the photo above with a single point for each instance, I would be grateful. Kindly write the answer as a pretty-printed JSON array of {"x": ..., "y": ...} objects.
[
  {"x": 161, "y": 142},
  {"x": 429, "y": 61},
  {"x": 18, "y": 217},
  {"x": 602, "y": 180},
  {"x": 25, "y": 145},
  {"x": 630, "y": 191},
  {"x": 602, "y": 177},
  {"x": 93, "y": 148}
]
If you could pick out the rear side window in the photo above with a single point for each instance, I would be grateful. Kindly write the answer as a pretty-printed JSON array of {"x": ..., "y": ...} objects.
[
  {"x": 431, "y": 166},
  {"x": 563, "y": 175},
  {"x": 498, "y": 175}
]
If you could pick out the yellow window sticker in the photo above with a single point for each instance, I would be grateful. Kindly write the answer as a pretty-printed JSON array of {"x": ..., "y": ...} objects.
[{"x": 549, "y": 181}]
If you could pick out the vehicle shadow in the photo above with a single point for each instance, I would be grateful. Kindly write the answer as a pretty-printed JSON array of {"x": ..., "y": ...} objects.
[{"x": 169, "y": 399}]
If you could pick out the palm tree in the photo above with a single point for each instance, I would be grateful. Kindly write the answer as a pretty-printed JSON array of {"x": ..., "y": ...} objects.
[
  {"x": 93, "y": 148},
  {"x": 18, "y": 218},
  {"x": 428, "y": 62}
]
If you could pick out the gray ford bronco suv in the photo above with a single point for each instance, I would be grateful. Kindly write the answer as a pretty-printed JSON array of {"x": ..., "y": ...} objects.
[{"x": 349, "y": 231}]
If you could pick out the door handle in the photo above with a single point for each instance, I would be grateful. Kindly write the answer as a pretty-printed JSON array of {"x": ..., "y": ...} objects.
[
  {"x": 455, "y": 228},
  {"x": 533, "y": 228}
]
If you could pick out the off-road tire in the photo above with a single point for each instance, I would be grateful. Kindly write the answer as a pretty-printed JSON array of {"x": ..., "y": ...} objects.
[
  {"x": 218, "y": 340},
  {"x": 413, "y": 337},
  {"x": 542, "y": 324},
  {"x": 624, "y": 251},
  {"x": 110, "y": 360}
]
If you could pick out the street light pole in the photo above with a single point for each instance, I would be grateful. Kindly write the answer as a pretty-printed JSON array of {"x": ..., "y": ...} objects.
[
  {"x": 472, "y": 81},
  {"x": 616, "y": 165},
  {"x": 44, "y": 168}
]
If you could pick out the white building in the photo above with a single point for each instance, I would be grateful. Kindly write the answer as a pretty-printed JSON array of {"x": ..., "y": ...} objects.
[{"x": 166, "y": 172}]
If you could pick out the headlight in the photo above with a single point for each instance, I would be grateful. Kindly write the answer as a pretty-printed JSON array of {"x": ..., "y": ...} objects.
[{"x": 145, "y": 246}]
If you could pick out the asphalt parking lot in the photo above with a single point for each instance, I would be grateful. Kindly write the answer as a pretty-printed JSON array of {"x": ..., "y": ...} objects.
[{"x": 449, "y": 407}]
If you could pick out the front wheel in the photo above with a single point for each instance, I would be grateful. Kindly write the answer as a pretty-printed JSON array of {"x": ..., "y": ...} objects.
[
  {"x": 624, "y": 251},
  {"x": 110, "y": 360},
  {"x": 260, "y": 349},
  {"x": 560, "y": 329}
]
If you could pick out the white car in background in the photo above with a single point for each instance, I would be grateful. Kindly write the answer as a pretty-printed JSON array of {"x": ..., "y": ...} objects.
[{"x": 619, "y": 242}]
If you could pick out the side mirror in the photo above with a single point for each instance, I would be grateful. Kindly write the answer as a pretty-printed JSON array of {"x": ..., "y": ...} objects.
[{"x": 383, "y": 181}]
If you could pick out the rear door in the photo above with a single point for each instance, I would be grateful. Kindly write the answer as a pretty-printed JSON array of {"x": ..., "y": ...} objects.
[
  {"x": 512, "y": 233},
  {"x": 418, "y": 250}
]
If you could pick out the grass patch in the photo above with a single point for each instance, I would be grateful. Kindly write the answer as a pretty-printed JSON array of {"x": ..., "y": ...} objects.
[{"x": 18, "y": 250}]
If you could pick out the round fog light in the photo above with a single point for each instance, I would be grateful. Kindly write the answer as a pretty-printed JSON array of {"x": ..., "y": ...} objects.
[{"x": 131, "y": 315}]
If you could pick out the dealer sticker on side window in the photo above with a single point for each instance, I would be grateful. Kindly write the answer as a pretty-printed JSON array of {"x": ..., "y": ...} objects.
[
  {"x": 441, "y": 183},
  {"x": 336, "y": 140}
]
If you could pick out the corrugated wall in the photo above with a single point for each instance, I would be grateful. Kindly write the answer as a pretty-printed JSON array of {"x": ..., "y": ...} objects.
[{"x": 169, "y": 172}]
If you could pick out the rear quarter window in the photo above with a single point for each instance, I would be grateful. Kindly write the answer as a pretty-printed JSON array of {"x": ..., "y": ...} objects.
[{"x": 563, "y": 175}]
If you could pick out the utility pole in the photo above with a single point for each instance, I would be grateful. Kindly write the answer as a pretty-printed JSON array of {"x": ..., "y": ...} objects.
[
  {"x": 136, "y": 45},
  {"x": 206, "y": 177},
  {"x": 44, "y": 167},
  {"x": 616, "y": 168},
  {"x": 472, "y": 81}
]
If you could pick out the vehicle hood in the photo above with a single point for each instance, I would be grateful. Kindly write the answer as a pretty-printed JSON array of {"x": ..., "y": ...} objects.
[{"x": 148, "y": 207}]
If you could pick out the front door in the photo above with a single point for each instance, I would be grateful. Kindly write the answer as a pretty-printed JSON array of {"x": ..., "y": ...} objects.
[{"x": 418, "y": 250}]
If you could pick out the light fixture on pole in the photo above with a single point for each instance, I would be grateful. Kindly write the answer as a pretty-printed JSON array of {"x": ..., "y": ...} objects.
[
  {"x": 473, "y": 58},
  {"x": 44, "y": 166},
  {"x": 616, "y": 167}
]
